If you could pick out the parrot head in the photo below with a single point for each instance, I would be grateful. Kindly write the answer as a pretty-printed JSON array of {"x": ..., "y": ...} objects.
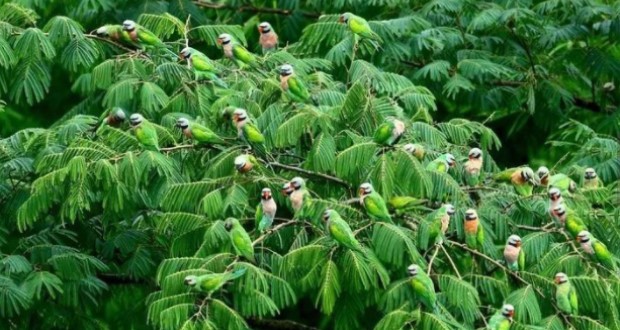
[
  {"x": 230, "y": 223},
  {"x": 287, "y": 190},
  {"x": 266, "y": 194},
  {"x": 224, "y": 39},
  {"x": 327, "y": 214},
  {"x": 286, "y": 70},
  {"x": 508, "y": 311},
  {"x": 514, "y": 240},
  {"x": 527, "y": 174},
  {"x": 186, "y": 53},
  {"x": 344, "y": 18},
  {"x": 264, "y": 27},
  {"x": 297, "y": 183},
  {"x": 561, "y": 278},
  {"x": 542, "y": 172},
  {"x": 365, "y": 189},
  {"x": 583, "y": 236},
  {"x": 559, "y": 211},
  {"x": 102, "y": 31},
  {"x": 413, "y": 270},
  {"x": 240, "y": 115},
  {"x": 119, "y": 114},
  {"x": 410, "y": 148},
  {"x": 190, "y": 280},
  {"x": 590, "y": 173},
  {"x": 129, "y": 25},
  {"x": 183, "y": 123},
  {"x": 450, "y": 160},
  {"x": 243, "y": 164},
  {"x": 450, "y": 209},
  {"x": 136, "y": 119},
  {"x": 554, "y": 194},
  {"x": 475, "y": 153},
  {"x": 471, "y": 215}
]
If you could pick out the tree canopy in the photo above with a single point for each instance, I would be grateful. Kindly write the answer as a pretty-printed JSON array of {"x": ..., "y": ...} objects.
[{"x": 109, "y": 219}]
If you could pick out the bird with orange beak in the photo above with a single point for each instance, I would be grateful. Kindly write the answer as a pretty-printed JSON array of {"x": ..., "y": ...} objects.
[
  {"x": 301, "y": 201},
  {"x": 502, "y": 319},
  {"x": 565, "y": 295},
  {"x": 597, "y": 250},
  {"x": 268, "y": 37},
  {"x": 245, "y": 163},
  {"x": 248, "y": 132},
  {"x": 473, "y": 166},
  {"x": 513, "y": 254},
  {"x": 442, "y": 164},
  {"x": 569, "y": 220},
  {"x": 474, "y": 232},
  {"x": 359, "y": 26},
  {"x": 235, "y": 51},
  {"x": 265, "y": 211}
]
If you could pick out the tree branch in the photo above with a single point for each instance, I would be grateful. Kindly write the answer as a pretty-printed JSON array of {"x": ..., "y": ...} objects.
[
  {"x": 273, "y": 230},
  {"x": 308, "y": 172},
  {"x": 456, "y": 270},
  {"x": 252, "y": 9},
  {"x": 430, "y": 263}
]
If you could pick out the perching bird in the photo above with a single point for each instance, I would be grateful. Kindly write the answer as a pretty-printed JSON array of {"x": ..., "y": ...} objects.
[
  {"x": 265, "y": 211},
  {"x": 210, "y": 283},
  {"x": 245, "y": 163},
  {"x": 373, "y": 203},
  {"x": 415, "y": 149},
  {"x": 268, "y": 37},
  {"x": 473, "y": 166},
  {"x": 144, "y": 38},
  {"x": 292, "y": 85},
  {"x": 114, "y": 118},
  {"x": 474, "y": 232},
  {"x": 402, "y": 204},
  {"x": 390, "y": 132},
  {"x": 203, "y": 66},
  {"x": 562, "y": 182},
  {"x": 565, "y": 295},
  {"x": 569, "y": 220},
  {"x": 555, "y": 199},
  {"x": 197, "y": 132},
  {"x": 591, "y": 180},
  {"x": 359, "y": 26},
  {"x": 442, "y": 163},
  {"x": 340, "y": 231},
  {"x": 543, "y": 175},
  {"x": 522, "y": 179},
  {"x": 300, "y": 197},
  {"x": 513, "y": 254},
  {"x": 247, "y": 131},
  {"x": 502, "y": 319},
  {"x": 241, "y": 241},
  {"x": 596, "y": 250},
  {"x": 144, "y": 131},
  {"x": 423, "y": 288},
  {"x": 235, "y": 51},
  {"x": 287, "y": 189},
  {"x": 116, "y": 33},
  {"x": 440, "y": 223}
]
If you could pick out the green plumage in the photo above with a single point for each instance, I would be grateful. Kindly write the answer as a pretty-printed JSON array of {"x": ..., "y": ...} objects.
[
  {"x": 602, "y": 255},
  {"x": 204, "y": 67},
  {"x": 360, "y": 26},
  {"x": 566, "y": 298},
  {"x": 475, "y": 241},
  {"x": 340, "y": 231},
  {"x": 383, "y": 133},
  {"x": 115, "y": 32},
  {"x": 438, "y": 165},
  {"x": 210, "y": 283},
  {"x": 424, "y": 290},
  {"x": 297, "y": 90},
  {"x": 402, "y": 204},
  {"x": 253, "y": 136},
  {"x": 562, "y": 182},
  {"x": 202, "y": 134},
  {"x": 574, "y": 224},
  {"x": 242, "y": 56},
  {"x": 376, "y": 208},
  {"x": 499, "y": 322},
  {"x": 241, "y": 241},
  {"x": 147, "y": 136}
]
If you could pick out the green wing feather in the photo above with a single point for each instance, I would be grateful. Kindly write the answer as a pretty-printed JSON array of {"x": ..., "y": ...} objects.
[
  {"x": 505, "y": 175},
  {"x": 521, "y": 260},
  {"x": 242, "y": 243},
  {"x": 383, "y": 133},
  {"x": 297, "y": 89},
  {"x": 603, "y": 255},
  {"x": 480, "y": 235},
  {"x": 376, "y": 207},
  {"x": 253, "y": 134},
  {"x": 202, "y": 134},
  {"x": 147, "y": 37},
  {"x": 147, "y": 136},
  {"x": 573, "y": 301},
  {"x": 343, "y": 234},
  {"x": 243, "y": 55}
]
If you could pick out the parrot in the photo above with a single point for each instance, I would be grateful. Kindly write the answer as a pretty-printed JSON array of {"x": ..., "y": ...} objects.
[
  {"x": 474, "y": 232},
  {"x": 114, "y": 118},
  {"x": 596, "y": 249},
  {"x": 415, "y": 149},
  {"x": 359, "y": 26},
  {"x": 268, "y": 37},
  {"x": 569, "y": 220},
  {"x": 292, "y": 85},
  {"x": 390, "y": 132},
  {"x": 562, "y": 182},
  {"x": 300, "y": 197},
  {"x": 115, "y": 33},
  {"x": 373, "y": 203},
  {"x": 555, "y": 199},
  {"x": 440, "y": 223},
  {"x": 210, "y": 283},
  {"x": 287, "y": 189},
  {"x": 265, "y": 211},
  {"x": 245, "y": 163},
  {"x": 502, "y": 319},
  {"x": 522, "y": 179},
  {"x": 513, "y": 254},
  {"x": 235, "y": 51},
  {"x": 248, "y": 132},
  {"x": 402, "y": 204},
  {"x": 198, "y": 133},
  {"x": 591, "y": 180},
  {"x": 340, "y": 231},
  {"x": 473, "y": 166},
  {"x": 565, "y": 295},
  {"x": 143, "y": 37},
  {"x": 144, "y": 131},
  {"x": 543, "y": 175},
  {"x": 202, "y": 65},
  {"x": 442, "y": 163},
  {"x": 240, "y": 239},
  {"x": 423, "y": 287}
]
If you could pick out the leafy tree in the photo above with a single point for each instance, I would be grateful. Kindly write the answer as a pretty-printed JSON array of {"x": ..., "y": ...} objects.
[{"x": 99, "y": 231}]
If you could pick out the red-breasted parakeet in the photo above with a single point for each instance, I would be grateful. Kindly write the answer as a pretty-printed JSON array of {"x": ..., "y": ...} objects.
[
  {"x": 390, "y": 132},
  {"x": 522, "y": 179},
  {"x": 591, "y": 180},
  {"x": 202, "y": 65},
  {"x": 502, "y": 319},
  {"x": 565, "y": 295},
  {"x": 416, "y": 150},
  {"x": 265, "y": 211},
  {"x": 340, "y": 231},
  {"x": 240, "y": 239},
  {"x": 197, "y": 132},
  {"x": 249, "y": 132},
  {"x": 440, "y": 223},
  {"x": 473, "y": 166},
  {"x": 596, "y": 250},
  {"x": 442, "y": 164},
  {"x": 373, "y": 203},
  {"x": 292, "y": 85},
  {"x": 474, "y": 232},
  {"x": 423, "y": 288},
  {"x": 144, "y": 131},
  {"x": 210, "y": 283},
  {"x": 359, "y": 26},
  {"x": 268, "y": 37},
  {"x": 569, "y": 220},
  {"x": 513, "y": 254},
  {"x": 235, "y": 51}
]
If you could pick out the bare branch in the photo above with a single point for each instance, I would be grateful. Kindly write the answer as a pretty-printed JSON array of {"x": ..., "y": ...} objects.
[{"x": 456, "y": 270}]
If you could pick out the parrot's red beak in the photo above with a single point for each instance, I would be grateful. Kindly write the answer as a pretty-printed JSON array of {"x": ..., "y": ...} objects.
[
  {"x": 512, "y": 314},
  {"x": 518, "y": 244},
  {"x": 578, "y": 239},
  {"x": 266, "y": 195},
  {"x": 235, "y": 117},
  {"x": 341, "y": 19},
  {"x": 361, "y": 192},
  {"x": 260, "y": 29},
  {"x": 219, "y": 41},
  {"x": 557, "y": 280}
]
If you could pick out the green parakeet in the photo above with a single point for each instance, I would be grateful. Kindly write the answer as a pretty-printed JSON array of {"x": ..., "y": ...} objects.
[
  {"x": 359, "y": 26},
  {"x": 442, "y": 164},
  {"x": 390, "y": 132},
  {"x": 144, "y": 131},
  {"x": 145, "y": 38},
  {"x": 373, "y": 203},
  {"x": 569, "y": 220},
  {"x": 292, "y": 85},
  {"x": 115, "y": 33},
  {"x": 265, "y": 211},
  {"x": 473, "y": 166},
  {"x": 522, "y": 179},
  {"x": 235, "y": 51},
  {"x": 210, "y": 283},
  {"x": 402, "y": 204},
  {"x": 555, "y": 200},
  {"x": 502, "y": 319},
  {"x": 423, "y": 288},
  {"x": 240, "y": 239},
  {"x": 114, "y": 118},
  {"x": 268, "y": 38},
  {"x": 415, "y": 149},
  {"x": 596, "y": 250},
  {"x": 565, "y": 295},
  {"x": 340, "y": 231},
  {"x": 543, "y": 175},
  {"x": 245, "y": 163},
  {"x": 591, "y": 180},
  {"x": 562, "y": 182},
  {"x": 198, "y": 133},
  {"x": 203, "y": 66},
  {"x": 474, "y": 232},
  {"x": 287, "y": 189},
  {"x": 301, "y": 201},
  {"x": 513, "y": 254},
  {"x": 247, "y": 131},
  {"x": 440, "y": 223}
]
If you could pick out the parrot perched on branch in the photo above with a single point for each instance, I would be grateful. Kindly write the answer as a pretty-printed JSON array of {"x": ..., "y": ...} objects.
[
  {"x": 144, "y": 131},
  {"x": 423, "y": 288},
  {"x": 268, "y": 37},
  {"x": 373, "y": 203},
  {"x": 203, "y": 66},
  {"x": 247, "y": 131},
  {"x": 359, "y": 26},
  {"x": 114, "y": 118},
  {"x": 292, "y": 85},
  {"x": 565, "y": 295},
  {"x": 340, "y": 231},
  {"x": 440, "y": 223},
  {"x": 513, "y": 254},
  {"x": 442, "y": 164},
  {"x": 198, "y": 133},
  {"x": 245, "y": 163},
  {"x": 116, "y": 33},
  {"x": 240, "y": 239},
  {"x": 235, "y": 51},
  {"x": 415, "y": 149},
  {"x": 266, "y": 211},
  {"x": 145, "y": 38},
  {"x": 597, "y": 250},
  {"x": 569, "y": 220},
  {"x": 502, "y": 319},
  {"x": 591, "y": 180},
  {"x": 301, "y": 201},
  {"x": 522, "y": 179},
  {"x": 474, "y": 232},
  {"x": 390, "y": 132},
  {"x": 560, "y": 181},
  {"x": 210, "y": 283},
  {"x": 473, "y": 166},
  {"x": 555, "y": 200}
]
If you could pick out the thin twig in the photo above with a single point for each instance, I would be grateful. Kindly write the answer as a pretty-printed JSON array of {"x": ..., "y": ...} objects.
[
  {"x": 316, "y": 174},
  {"x": 273, "y": 230},
  {"x": 182, "y": 146},
  {"x": 430, "y": 263},
  {"x": 451, "y": 262}
]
